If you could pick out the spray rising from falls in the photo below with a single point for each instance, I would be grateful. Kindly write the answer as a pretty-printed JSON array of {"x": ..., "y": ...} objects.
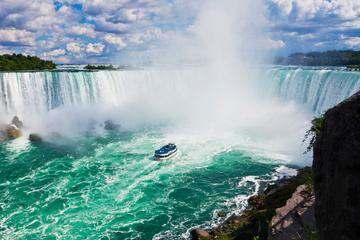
[
  {"x": 217, "y": 91},
  {"x": 218, "y": 96},
  {"x": 185, "y": 99},
  {"x": 229, "y": 136}
]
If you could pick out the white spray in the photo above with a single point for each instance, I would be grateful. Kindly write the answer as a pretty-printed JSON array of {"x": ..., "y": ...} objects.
[{"x": 215, "y": 98}]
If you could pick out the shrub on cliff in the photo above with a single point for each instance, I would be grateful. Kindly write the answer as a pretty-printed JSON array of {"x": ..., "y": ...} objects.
[{"x": 317, "y": 125}]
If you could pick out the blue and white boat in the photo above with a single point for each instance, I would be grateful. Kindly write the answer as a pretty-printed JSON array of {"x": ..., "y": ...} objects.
[{"x": 165, "y": 152}]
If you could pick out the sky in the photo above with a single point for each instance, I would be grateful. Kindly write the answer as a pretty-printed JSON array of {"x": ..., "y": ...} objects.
[{"x": 102, "y": 31}]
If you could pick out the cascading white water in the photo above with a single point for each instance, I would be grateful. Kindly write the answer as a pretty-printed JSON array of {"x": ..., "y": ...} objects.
[
  {"x": 318, "y": 90},
  {"x": 39, "y": 92},
  {"x": 229, "y": 139}
]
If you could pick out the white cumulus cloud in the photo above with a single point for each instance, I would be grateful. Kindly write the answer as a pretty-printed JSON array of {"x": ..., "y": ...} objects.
[
  {"x": 55, "y": 53},
  {"x": 305, "y": 9},
  {"x": 115, "y": 40},
  {"x": 86, "y": 30},
  {"x": 96, "y": 48},
  {"x": 352, "y": 42},
  {"x": 16, "y": 36},
  {"x": 73, "y": 47},
  {"x": 273, "y": 44}
]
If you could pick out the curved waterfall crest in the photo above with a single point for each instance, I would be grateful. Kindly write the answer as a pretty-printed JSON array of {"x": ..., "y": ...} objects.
[
  {"x": 318, "y": 90},
  {"x": 38, "y": 92}
]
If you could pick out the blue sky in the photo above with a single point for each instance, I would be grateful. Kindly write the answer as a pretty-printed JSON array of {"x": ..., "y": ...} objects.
[{"x": 78, "y": 31}]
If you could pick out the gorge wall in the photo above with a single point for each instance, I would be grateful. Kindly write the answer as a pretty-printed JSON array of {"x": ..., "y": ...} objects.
[{"x": 337, "y": 172}]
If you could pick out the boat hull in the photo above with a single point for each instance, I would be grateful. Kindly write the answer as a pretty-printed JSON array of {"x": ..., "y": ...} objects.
[{"x": 170, "y": 155}]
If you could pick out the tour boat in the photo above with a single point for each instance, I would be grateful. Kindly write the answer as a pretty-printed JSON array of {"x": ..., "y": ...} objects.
[{"x": 166, "y": 152}]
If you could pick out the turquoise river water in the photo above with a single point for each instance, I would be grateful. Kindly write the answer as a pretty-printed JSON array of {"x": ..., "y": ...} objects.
[{"x": 98, "y": 184}]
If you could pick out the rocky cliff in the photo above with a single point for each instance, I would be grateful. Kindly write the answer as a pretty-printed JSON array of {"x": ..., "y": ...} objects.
[
  {"x": 336, "y": 169},
  {"x": 283, "y": 211},
  {"x": 286, "y": 209}
]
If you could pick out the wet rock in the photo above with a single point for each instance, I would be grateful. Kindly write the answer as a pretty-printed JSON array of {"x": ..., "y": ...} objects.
[
  {"x": 221, "y": 214},
  {"x": 295, "y": 220},
  {"x": 12, "y": 131},
  {"x": 337, "y": 172},
  {"x": 16, "y": 121},
  {"x": 253, "y": 222},
  {"x": 33, "y": 137},
  {"x": 199, "y": 234},
  {"x": 256, "y": 201},
  {"x": 110, "y": 125}
]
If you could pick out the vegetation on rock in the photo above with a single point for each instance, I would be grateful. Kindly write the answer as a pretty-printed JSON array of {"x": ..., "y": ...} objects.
[
  {"x": 99, "y": 67},
  {"x": 19, "y": 62},
  {"x": 329, "y": 58},
  {"x": 317, "y": 125},
  {"x": 254, "y": 222},
  {"x": 353, "y": 67},
  {"x": 336, "y": 167}
]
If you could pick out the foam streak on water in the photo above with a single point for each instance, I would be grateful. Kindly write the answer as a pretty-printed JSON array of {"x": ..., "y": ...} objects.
[
  {"x": 109, "y": 187},
  {"x": 102, "y": 184}
]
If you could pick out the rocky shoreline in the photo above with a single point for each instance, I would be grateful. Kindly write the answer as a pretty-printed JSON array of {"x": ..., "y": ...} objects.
[
  {"x": 322, "y": 202},
  {"x": 285, "y": 210}
]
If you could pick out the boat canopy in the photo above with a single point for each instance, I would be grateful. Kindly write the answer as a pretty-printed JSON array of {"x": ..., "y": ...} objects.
[{"x": 166, "y": 149}]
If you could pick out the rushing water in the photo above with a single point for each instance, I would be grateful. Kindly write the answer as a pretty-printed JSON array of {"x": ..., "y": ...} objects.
[
  {"x": 105, "y": 184},
  {"x": 43, "y": 91},
  {"x": 317, "y": 89}
]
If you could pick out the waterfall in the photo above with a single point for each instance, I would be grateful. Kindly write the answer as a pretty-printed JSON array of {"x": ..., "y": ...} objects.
[
  {"x": 317, "y": 89},
  {"x": 37, "y": 92}
]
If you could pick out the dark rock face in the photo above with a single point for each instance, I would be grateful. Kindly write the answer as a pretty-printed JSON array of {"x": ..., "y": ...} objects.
[
  {"x": 16, "y": 121},
  {"x": 337, "y": 172},
  {"x": 33, "y": 137},
  {"x": 109, "y": 125},
  {"x": 199, "y": 234}
]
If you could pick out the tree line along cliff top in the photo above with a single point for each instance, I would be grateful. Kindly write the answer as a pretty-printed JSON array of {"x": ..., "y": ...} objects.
[
  {"x": 99, "y": 67},
  {"x": 19, "y": 62},
  {"x": 348, "y": 58}
]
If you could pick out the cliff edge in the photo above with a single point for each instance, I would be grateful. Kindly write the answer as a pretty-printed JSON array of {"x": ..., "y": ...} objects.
[{"x": 336, "y": 169}]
